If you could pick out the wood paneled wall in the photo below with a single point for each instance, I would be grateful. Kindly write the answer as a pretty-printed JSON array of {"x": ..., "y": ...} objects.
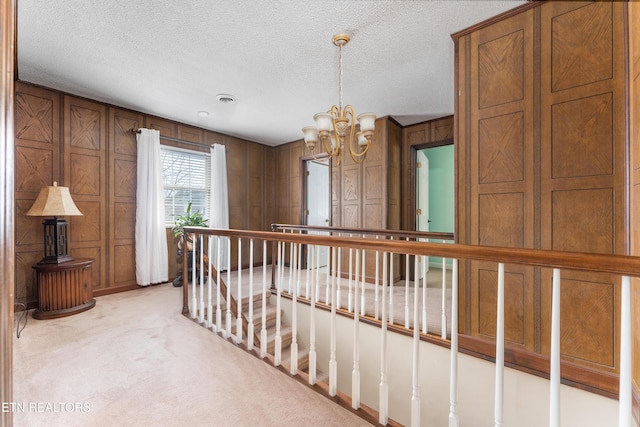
[
  {"x": 89, "y": 147},
  {"x": 413, "y": 136},
  {"x": 634, "y": 135},
  {"x": 541, "y": 162}
]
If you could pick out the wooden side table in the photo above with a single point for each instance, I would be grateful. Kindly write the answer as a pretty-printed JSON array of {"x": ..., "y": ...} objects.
[{"x": 64, "y": 289}]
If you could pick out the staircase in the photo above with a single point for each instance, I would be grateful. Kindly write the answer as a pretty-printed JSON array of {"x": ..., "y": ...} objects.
[{"x": 286, "y": 332}]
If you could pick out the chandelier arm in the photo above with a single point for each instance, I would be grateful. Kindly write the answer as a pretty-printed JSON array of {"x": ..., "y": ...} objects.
[{"x": 322, "y": 158}]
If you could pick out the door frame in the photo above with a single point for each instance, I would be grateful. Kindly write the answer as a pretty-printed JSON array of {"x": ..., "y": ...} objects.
[
  {"x": 413, "y": 184},
  {"x": 303, "y": 195}
]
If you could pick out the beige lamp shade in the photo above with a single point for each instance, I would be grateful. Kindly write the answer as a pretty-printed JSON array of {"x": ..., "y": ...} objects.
[{"x": 54, "y": 201}]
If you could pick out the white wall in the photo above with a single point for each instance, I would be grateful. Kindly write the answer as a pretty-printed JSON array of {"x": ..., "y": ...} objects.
[{"x": 526, "y": 396}]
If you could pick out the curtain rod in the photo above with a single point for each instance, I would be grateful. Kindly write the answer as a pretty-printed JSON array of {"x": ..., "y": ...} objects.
[{"x": 182, "y": 141}]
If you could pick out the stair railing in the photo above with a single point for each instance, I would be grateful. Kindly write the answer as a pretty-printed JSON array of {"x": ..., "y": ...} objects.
[{"x": 624, "y": 266}]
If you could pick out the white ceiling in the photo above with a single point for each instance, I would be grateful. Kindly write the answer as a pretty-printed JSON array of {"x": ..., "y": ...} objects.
[{"x": 171, "y": 58}]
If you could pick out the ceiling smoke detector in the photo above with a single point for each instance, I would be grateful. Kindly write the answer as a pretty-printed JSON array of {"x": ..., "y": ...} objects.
[{"x": 225, "y": 98}]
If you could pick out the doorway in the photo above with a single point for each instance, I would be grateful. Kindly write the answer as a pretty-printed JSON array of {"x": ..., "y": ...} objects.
[
  {"x": 317, "y": 202},
  {"x": 435, "y": 191}
]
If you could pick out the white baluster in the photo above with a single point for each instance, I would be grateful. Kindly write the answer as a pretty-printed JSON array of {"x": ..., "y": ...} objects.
[
  {"x": 338, "y": 301},
  {"x": 333, "y": 364},
  {"x": 263, "y": 330},
  {"x": 299, "y": 264},
  {"x": 218, "y": 278},
  {"x": 363, "y": 282},
  {"x": 415, "y": 383},
  {"x": 317, "y": 264},
  {"x": 453, "y": 378},
  {"x": 350, "y": 284},
  {"x": 425, "y": 327},
  {"x": 228, "y": 316},
  {"x": 626, "y": 361},
  {"x": 406, "y": 290},
  {"x": 383, "y": 394},
  {"x": 209, "y": 283},
  {"x": 239, "y": 304},
  {"x": 443, "y": 319},
  {"x": 355, "y": 374},
  {"x": 294, "y": 317},
  {"x": 277, "y": 357},
  {"x": 194, "y": 297},
  {"x": 309, "y": 262},
  {"x": 312, "y": 323},
  {"x": 391, "y": 310},
  {"x": 376, "y": 291},
  {"x": 554, "y": 371},
  {"x": 201, "y": 316},
  {"x": 499, "y": 386},
  {"x": 327, "y": 298},
  {"x": 250, "y": 325},
  {"x": 291, "y": 266}
]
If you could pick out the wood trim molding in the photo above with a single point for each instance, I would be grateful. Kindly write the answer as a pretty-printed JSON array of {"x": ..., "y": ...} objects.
[
  {"x": 7, "y": 266},
  {"x": 504, "y": 15}
]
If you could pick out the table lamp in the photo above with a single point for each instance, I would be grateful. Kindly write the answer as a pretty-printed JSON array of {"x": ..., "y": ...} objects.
[{"x": 57, "y": 202}]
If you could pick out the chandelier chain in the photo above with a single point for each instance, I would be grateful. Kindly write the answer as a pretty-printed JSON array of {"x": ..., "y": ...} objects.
[{"x": 340, "y": 77}]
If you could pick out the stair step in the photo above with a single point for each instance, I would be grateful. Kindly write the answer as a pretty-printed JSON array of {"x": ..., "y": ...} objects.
[
  {"x": 271, "y": 312},
  {"x": 286, "y": 337},
  {"x": 257, "y": 301}
]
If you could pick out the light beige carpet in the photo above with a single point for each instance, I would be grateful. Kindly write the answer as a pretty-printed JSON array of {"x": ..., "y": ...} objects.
[{"x": 134, "y": 360}]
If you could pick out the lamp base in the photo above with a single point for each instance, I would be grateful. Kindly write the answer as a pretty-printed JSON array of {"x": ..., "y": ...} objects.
[{"x": 56, "y": 259}]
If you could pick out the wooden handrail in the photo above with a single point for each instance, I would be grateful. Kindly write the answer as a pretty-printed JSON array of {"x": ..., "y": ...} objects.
[
  {"x": 403, "y": 234},
  {"x": 603, "y": 263}
]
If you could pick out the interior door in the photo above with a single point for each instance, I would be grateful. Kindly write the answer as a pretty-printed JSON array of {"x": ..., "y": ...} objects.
[
  {"x": 318, "y": 201},
  {"x": 422, "y": 198}
]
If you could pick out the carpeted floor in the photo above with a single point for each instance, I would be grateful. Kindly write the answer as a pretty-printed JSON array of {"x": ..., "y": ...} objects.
[{"x": 135, "y": 360}]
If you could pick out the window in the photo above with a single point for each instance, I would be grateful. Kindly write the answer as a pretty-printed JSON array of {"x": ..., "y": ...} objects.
[{"x": 186, "y": 180}]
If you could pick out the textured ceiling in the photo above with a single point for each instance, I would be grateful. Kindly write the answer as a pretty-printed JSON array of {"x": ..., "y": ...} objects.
[{"x": 171, "y": 58}]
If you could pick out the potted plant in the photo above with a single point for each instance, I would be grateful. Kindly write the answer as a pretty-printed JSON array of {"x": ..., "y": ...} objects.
[{"x": 190, "y": 219}]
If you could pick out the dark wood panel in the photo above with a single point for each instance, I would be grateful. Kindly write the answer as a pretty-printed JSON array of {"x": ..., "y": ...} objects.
[
  {"x": 589, "y": 324},
  {"x": 514, "y": 305},
  {"x": 35, "y": 168},
  {"x": 634, "y": 132},
  {"x": 190, "y": 133},
  {"x": 36, "y": 164},
  {"x": 35, "y": 114},
  {"x": 501, "y": 69},
  {"x": 582, "y": 220},
  {"x": 581, "y": 45},
  {"x": 85, "y": 171},
  {"x": 122, "y": 186},
  {"x": 166, "y": 127},
  {"x": 501, "y": 148},
  {"x": 582, "y": 129},
  {"x": 501, "y": 220}
]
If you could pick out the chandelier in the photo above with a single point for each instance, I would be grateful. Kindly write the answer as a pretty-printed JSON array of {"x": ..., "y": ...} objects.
[{"x": 339, "y": 124}]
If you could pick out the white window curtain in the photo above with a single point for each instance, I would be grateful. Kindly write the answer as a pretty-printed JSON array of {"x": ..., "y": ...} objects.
[
  {"x": 219, "y": 202},
  {"x": 152, "y": 262}
]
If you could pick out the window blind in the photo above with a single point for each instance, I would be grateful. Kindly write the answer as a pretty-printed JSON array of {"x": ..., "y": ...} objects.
[{"x": 186, "y": 177}]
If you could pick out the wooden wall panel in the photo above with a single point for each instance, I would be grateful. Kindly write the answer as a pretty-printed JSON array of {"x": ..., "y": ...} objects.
[
  {"x": 582, "y": 168},
  {"x": 634, "y": 134},
  {"x": 283, "y": 182},
  {"x": 122, "y": 179},
  {"x": 394, "y": 174},
  {"x": 501, "y": 175},
  {"x": 37, "y": 164},
  {"x": 540, "y": 157},
  {"x": 85, "y": 171}
]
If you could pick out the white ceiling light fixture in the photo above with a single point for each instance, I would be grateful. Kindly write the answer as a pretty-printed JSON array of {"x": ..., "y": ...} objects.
[
  {"x": 332, "y": 127},
  {"x": 203, "y": 113}
]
